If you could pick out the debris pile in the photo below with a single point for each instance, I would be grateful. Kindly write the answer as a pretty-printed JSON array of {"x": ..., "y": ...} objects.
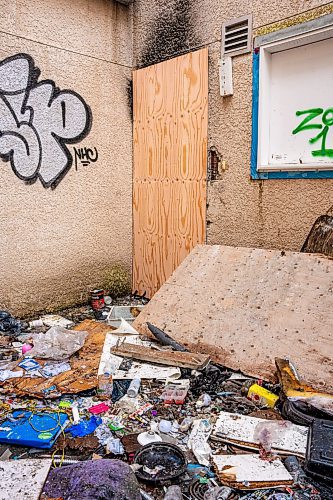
[
  {"x": 93, "y": 407},
  {"x": 94, "y": 410}
]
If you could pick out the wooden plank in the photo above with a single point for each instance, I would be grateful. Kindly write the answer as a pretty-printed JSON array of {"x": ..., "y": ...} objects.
[
  {"x": 245, "y": 307},
  {"x": 170, "y": 358},
  {"x": 170, "y": 163}
]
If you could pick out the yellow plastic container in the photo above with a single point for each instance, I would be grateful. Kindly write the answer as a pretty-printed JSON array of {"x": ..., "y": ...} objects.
[{"x": 262, "y": 396}]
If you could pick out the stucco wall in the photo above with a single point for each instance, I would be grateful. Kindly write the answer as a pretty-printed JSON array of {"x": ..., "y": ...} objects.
[
  {"x": 57, "y": 243},
  {"x": 270, "y": 213}
]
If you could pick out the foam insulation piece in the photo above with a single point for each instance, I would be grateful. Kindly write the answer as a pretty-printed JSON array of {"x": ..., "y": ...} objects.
[
  {"x": 250, "y": 471},
  {"x": 246, "y": 306},
  {"x": 285, "y": 436},
  {"x": 23, "y": 478}
]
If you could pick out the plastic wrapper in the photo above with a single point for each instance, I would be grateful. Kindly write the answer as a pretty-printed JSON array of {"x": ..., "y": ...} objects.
[
  {"x": 267, "y": 432},
  {"x": 113, "y": 445},
  {"x": 7, "y": 374},
  {"x": 84, "y": 427},
  {"x": 52, "y": 369},
  {"x": 197, "y": 441},
  {"x": 57, "y": 343}
]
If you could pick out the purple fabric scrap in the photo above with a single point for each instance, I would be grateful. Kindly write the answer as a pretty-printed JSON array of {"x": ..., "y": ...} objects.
[{"x": 102, "y": 479}]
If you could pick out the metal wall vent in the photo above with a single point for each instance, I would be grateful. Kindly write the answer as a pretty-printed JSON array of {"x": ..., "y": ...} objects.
[{"x": 237, "y": 36}]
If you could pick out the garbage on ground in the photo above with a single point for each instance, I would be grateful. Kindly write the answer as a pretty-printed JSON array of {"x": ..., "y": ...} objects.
[
  {"x": 249, "y": 472},
  {"x": 91, "y": 479},
  {"x": 120, "y": 415},
  {"x": 37, "y": 429},
  {"x": 280, "y": 436},
  {"x": 23, "y": 478},
  {"x": 56, "y": 320},
  {"x": 160, "y": 462},
  {"x": 57, "y": 343},
  {"x": 119, "y": 313},
  {"x": 198, "y": 440},
  {"x": 296, "y": 391},
  {"x": 319, "y": 452}
]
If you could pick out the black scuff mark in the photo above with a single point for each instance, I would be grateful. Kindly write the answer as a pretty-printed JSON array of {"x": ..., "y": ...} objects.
[{"x": 172, "y": 34}]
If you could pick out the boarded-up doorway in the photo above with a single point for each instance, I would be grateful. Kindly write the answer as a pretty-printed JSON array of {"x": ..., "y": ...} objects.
[{"x": 170, "y": 165}]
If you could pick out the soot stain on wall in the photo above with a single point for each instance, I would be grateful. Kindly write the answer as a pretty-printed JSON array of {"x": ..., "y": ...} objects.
[{"x": 172, "y": 33}]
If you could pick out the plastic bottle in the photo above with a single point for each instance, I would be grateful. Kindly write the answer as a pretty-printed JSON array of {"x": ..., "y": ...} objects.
[
  {"x": 105, "y": 383},
  {"x": 134, "y": 387}
]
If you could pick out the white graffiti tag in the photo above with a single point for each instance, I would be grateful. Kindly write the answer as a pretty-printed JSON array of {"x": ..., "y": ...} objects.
[{"x": 37, "y": 120}]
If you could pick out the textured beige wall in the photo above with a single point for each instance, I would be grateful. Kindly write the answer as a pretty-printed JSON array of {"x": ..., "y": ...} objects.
[
  {"x": 271, "y": 213},
  {"x": 55, "y": 244}
]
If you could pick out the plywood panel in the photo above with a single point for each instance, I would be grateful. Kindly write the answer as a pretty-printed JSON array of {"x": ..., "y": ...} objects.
[
  {"x": 247, "y": 306},
  {"x": 170, "y": 164}
]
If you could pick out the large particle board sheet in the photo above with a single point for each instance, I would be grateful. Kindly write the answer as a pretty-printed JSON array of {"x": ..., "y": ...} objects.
[
  {"x": 246, "y": 306},
  {"x": 23, "y": 479}
]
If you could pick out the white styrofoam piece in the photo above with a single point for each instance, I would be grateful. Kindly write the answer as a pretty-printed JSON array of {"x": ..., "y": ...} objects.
[
  {"x": 137, "y": 370},
  {"x": 251, "y": 469},
  {"x": 125, "y": 328},
  {"x": 241, "y": 428},
  {"x": 23, "y": 478}
]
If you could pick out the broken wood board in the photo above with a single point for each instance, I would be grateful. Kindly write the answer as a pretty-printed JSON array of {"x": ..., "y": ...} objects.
[
  {"x": 250, "y": 472},
  {"x": 170, "y": 358},
  {"x": 81, "y": 377},
  {"x": 137, "y": 369},
  {"x": 244, "y": 307},
  {"x": 23, "y": 478},
  {"x": 284, "y": 437}
]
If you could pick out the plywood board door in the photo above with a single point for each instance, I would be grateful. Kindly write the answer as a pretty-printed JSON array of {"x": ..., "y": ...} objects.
[{"x": 170, "y": 165}]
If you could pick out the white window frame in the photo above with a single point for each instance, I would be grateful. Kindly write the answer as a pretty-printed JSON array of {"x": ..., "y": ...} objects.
[{"x": 266, "y": 51}]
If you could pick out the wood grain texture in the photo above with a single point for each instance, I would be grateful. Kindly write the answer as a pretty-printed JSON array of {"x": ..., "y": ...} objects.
[
  {"x": 245, "y": 307},
  {"x": 170, "y": 164}
]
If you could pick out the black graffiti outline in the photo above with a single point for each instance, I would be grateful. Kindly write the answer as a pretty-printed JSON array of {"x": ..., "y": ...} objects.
[
  {"x": 81, "y": 153},
  {"x": 32, "y": 83}
]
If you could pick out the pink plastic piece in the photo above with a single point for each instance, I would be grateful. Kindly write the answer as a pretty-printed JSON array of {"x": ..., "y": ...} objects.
[
  {"x": 26, "y": 348},
  {"x": 97, "y": 409}
]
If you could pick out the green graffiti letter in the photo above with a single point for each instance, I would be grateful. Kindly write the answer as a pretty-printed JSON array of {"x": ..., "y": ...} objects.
[
  {"x": 312, "y": 113},
  {"x": 327, "y": 122}
]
